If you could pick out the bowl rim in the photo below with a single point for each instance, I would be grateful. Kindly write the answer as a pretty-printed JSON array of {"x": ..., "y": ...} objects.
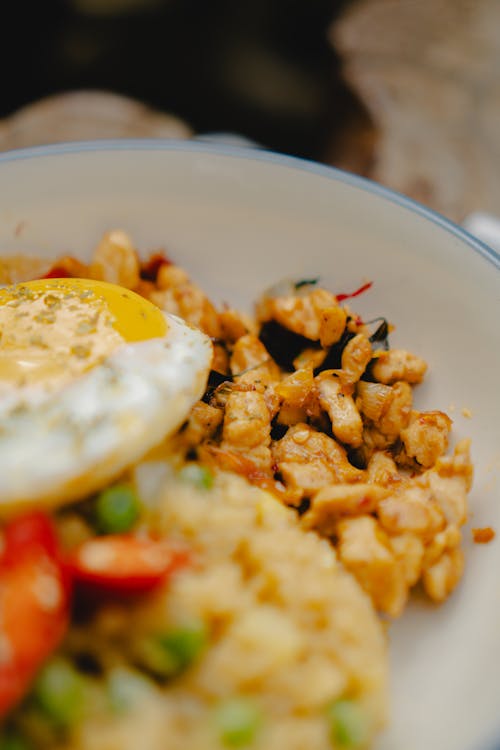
[{"x": 261, "y": 154}]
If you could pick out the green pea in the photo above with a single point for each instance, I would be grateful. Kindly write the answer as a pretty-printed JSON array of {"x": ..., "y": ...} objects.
[
  {"x": 348, "y": 724},
  {"x": 168, "y": 654},
  {"x": 237, "y": 720},
  {"x": 198, "y": 475},
  {"x": 117, "y": 509},
  {"x": 59, "y": 692}
]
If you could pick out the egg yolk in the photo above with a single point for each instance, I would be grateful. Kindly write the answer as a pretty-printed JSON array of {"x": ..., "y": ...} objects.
[{"x": 52, "y": 330}]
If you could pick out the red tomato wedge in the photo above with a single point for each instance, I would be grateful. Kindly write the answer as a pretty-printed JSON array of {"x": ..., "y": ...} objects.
[
  {"x": 26, "y": 535},
  {"x": 56, "y": 272},
  {"x": 34, "y": 604},
  {"x": 125, "y": 564}
]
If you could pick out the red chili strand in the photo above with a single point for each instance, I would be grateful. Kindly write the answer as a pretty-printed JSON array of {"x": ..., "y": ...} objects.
[{"x": 364, "y": 288}]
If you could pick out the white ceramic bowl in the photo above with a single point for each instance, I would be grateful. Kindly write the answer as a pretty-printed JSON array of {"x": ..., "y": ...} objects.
[{"x": 239, "y": 220}]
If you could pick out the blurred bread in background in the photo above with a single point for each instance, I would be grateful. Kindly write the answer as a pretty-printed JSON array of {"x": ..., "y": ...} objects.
[
  {"x": 86, "y": 115},
  {"x": 427, "y": 73}
]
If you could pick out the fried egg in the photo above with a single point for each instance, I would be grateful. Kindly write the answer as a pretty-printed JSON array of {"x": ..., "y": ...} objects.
[{"x": 92, "y": 376}]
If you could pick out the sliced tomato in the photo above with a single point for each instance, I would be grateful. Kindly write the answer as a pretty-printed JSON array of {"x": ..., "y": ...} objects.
[
  {"x": 125, "y": 564},
  {"x": 56, "y": 272},
  {"x": 34, "y": 604},
  {"x": 27, "y": 535}
]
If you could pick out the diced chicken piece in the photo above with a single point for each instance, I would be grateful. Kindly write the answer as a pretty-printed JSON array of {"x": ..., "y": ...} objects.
[
  {"x": 260, "y": 456},
  {"x": 365, "y": 550},
  {"x": 115, "y": 260},
  {"x": 430, "y": 508},
  {"x": 441, "y": 578},
  {"x": 305, "y": 478},
  {"x": 221, "y": 394},
  {"x": 409, "y": 551},
  {"x": 373, "y": 441},
  {"x": 252, "y": 363},
  {"x": 451, "y": 495},
  {"x": 290, "y": 415},
  {"x": 234, "y": 325},
  {"x": 398, "y": 364},
  {"x": 347, "y": 425},
  {"x": 246, "y": 421},
  {"x": 397, "y": 413},
  {"x": 295, "y": 392},
  {"x": 354, "y": 321},
  {"x": 355, "y": 357},
  {"x": 382, "y": 469},
  {"x": 445, "y": 541},
  {"x": 337, "y": 500},
  {"x": 332, "y": 325},
  {"x": 426, "y": 437},
  {"x": 309, "y": 357},
  {"x": 145, "y": 288},
  {"x": 301, "y": 314},
  {"x": 202, "y": 424},
  {"x": 373, "y": 399},
  {"x": 170, "y": 276},
  {"x": 459, "y": 464},
  {"x": 411, "y": 509},
  {"x": 324, "y": 461},
  {"x": 294, "y": 389},
  {"x": 188, "y": 302},
  {"x": 220, "y": 359},
  {"x": 247, "y": 427}
]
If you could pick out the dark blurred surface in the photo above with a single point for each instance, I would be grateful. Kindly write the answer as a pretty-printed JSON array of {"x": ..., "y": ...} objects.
[{"x": 261, "y": 68}]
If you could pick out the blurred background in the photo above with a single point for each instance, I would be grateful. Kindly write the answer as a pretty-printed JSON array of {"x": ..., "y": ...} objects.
[
  {"x": 262, "y": 68},
  {"x": 403, "y": 91}
]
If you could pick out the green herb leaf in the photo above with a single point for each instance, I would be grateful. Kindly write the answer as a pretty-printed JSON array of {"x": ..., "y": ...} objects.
[
  {"x": 237, "y": 720},
  {"x": 60, "y": 691},
  {"x": 348, "y": 725}
]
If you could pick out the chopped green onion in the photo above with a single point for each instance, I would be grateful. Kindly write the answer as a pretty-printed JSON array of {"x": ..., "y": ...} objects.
[
  {"x": 198, "y": 475},
  {"x": 59, "y": 692},
  {"x": 168, "y": 654},
  {"x": 237, "y": 720},
  {"x": 117, "y": 509},
  {"x": 12, "y": 741},
  {"x": 348, "y": 724}
]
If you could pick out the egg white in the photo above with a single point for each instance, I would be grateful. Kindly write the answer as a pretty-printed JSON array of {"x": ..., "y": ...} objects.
[{"x": 65, "y": 445}]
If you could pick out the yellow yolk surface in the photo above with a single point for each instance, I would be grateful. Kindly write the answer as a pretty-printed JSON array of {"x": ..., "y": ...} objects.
[{"x": 52, "y": 330}]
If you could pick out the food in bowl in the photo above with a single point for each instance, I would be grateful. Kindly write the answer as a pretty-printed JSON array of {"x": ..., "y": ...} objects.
[{"x": 191, "y": 605}]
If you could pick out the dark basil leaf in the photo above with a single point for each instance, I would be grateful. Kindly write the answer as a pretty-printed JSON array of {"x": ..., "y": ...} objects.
[
  {"x": 215, "y": 379},
  {"x": 283, "y": 345},
  {"x": 380, "y": 337},
  {"x": 333, "y": 360},
  {"x": 278, "y": 430},
  {"x": 305, "y": 282}
]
